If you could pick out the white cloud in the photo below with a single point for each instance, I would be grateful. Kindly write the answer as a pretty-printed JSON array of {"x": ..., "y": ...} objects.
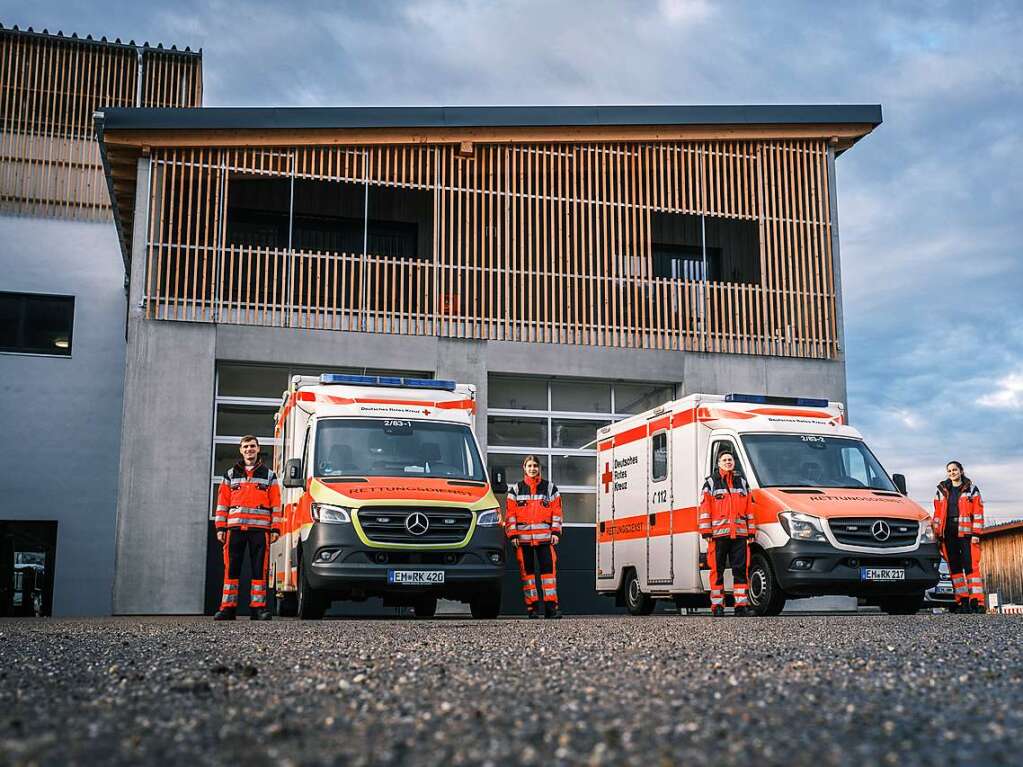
[{"x": 1008, "y": 395}]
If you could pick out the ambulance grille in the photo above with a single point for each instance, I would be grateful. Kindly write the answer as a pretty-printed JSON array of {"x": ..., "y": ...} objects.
[
  {"x": 859, "y": 531},
  {"x": 386, "y": 524}
]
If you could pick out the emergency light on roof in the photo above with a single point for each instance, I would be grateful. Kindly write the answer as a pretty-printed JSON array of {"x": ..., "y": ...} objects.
[
  {"x": 401, "y": 383},
  {"x": 763, "y": 399}
]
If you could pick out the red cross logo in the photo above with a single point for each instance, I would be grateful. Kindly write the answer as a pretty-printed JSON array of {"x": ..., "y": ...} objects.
[
  {"x": 607, "y": 476},
  {"x": 426, "y": 412}
]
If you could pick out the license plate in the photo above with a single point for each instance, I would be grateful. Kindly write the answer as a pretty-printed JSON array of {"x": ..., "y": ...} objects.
[
  {"x": 415, "y": 577},
  {"x": 882, "y": 574}
]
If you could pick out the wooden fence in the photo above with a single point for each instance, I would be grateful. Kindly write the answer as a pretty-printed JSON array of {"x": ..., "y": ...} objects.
[{"x": 531, "y": 242}]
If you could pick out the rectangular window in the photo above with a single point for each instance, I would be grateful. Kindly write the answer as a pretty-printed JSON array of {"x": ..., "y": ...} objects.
[
  {"x": 680, "y": 241},
  {"x": 508, "y": 431},
  {"x": 659, "y": 456},
  {"x": 32, "y": 323}
]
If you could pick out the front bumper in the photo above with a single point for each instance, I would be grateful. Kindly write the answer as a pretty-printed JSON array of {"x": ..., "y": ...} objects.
[
  {"x": 358, "y": 571},
  {"x": 836, "y": 572}
]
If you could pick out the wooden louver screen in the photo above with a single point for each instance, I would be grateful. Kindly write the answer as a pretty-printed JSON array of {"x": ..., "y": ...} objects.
[
  {"x": 50, "y": 87},
  {"x": 531, "y": 242}
]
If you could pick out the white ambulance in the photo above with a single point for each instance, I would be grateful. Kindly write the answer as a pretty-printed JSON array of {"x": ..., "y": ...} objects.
[
  {"x": 385, "y": 495},
  {"x": 830, "y": 520}
]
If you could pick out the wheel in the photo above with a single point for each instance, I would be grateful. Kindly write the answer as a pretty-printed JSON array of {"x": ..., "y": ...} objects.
[
  {"x": 903, "y": 604},
  {"x": 425, "y": 607},
  {"x": 286, "y": 604},
  {"x": 765, "y": 595},
  {"x": 311, "y": 604},
  {"x": 486, "y": 605},
  {"x": 636, "y": 602}
]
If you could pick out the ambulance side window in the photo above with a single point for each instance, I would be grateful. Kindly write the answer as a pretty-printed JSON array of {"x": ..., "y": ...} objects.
[
  {"x": 725, "y": 446},
  {"x": 659, "y": 456}
]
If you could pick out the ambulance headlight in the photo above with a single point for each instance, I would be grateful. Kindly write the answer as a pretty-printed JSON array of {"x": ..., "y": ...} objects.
[
  {"x": 488, "y": 518},
  {"x": 927, "y": 532},
  {"x": 801, "y": 527},
  {"x": 324, "y": 512}
]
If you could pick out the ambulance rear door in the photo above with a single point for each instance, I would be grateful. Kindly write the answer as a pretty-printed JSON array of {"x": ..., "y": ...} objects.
[{"x": 660, "y": 541}]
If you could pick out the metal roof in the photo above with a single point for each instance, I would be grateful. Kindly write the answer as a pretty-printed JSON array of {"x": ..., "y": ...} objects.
[{"x": 304, "y": 118}]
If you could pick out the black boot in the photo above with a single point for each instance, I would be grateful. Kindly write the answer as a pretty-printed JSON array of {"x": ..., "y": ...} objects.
[
  {"x": 741, "y": 612},
  {"x": 532, "y": 613},
  {"x": 717, "y": 611},
  {"x": 226, "y": 614},
  {"x": 260, "y": 614},
  {"x": 550, "y": 610}
]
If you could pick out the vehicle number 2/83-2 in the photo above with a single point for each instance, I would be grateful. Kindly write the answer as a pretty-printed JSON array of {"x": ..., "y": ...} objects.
[{"x": 659, "y": 496}]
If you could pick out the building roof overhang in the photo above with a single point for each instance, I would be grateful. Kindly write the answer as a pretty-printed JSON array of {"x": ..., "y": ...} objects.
[{"x": 127, "y": 134}]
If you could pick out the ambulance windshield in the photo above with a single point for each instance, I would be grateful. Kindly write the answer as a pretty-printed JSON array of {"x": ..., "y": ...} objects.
[
  {"x": 805, "y": 460},
  {"x": 396, "y": 448}
]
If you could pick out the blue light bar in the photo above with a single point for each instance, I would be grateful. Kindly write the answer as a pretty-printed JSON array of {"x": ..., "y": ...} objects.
[
  {"x": 428, "y": 383},
  {"x": 394, "y": 382},
  {"x": 763, "y": 399}
]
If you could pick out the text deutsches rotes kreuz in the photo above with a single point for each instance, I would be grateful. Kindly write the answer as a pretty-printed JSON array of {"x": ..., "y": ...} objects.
[{"x": 621, "y": 474}]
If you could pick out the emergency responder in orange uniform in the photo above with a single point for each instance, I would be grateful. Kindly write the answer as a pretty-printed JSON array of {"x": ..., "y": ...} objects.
[
  {"x": 957, "y": 521},
  {"x": 248, "y": 517},
  {"x": 726, "y": 522},
  {"x": 533, "y": 524}
]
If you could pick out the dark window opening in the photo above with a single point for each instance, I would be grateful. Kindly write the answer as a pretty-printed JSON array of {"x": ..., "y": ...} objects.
[
  {"x": 28, "y": 552},
  {"x": 36, "y": 324},
  {"x": 679, "y": 241},
  {"x": 330, "y": 217}
]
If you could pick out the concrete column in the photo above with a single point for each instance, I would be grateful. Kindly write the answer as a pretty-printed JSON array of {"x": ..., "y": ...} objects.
[
  {"x": 465, "y": 361},
  {"x": 164, "y": 472},
  {"x": 835, "y": 251}
]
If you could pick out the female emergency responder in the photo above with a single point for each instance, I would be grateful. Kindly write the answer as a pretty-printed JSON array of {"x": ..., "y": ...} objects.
[
  {"x": 726, "y": 522},
  {"x": 533, "y": 524},
  {"x": 958, "y": 520}
]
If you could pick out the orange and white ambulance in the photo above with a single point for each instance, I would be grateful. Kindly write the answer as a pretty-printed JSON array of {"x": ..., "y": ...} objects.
[
  {"x": 830, "y": 520},
  {"x": 385, "y": 495}
]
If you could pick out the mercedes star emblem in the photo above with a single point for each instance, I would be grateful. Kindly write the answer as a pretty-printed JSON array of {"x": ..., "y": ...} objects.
[
  {"x": 881, "y": 530},
  {"x": 417, "y": 523}
]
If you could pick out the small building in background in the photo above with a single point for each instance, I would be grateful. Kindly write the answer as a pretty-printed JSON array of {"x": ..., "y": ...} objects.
[
  {"x": 63, "y": 307},
  {"x": 1001, "y": 561}
]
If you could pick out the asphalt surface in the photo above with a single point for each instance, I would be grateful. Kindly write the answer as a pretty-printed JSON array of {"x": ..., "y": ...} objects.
[{"x": 821, "y": 690}]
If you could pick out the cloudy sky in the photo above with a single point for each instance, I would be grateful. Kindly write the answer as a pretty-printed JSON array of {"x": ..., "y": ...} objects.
[{"x": 930, "y": 204}]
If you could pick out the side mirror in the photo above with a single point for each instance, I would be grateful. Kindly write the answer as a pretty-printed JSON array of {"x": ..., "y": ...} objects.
[
  {"x": 900, "y": 483},
  {"x": 497, "y": 483},
  {"x": 294, "y": 476}
]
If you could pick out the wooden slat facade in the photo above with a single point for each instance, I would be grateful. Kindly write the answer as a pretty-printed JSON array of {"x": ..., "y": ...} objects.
[
  {"x": 50, "y": 87},
  {"x": 1001, "y": 562},
  {"x": 537, "y": 242}
]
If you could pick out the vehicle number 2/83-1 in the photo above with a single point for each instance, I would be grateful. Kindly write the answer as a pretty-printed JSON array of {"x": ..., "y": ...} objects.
[{"x": 659, "y": 496}]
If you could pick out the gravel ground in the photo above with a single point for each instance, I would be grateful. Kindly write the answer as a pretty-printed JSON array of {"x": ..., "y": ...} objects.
[{"x": 822, "y": 690}]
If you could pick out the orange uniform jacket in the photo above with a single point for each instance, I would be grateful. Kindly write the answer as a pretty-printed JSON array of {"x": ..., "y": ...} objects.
[
  {"x": 725, "y": 508},
  {"x": 971, "y": 509},
  {"x": 249, "y": 499},
  {"x": 533, "y": 511}
]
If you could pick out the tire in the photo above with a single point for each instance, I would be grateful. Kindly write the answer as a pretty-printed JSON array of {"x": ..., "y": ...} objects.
[
  {"x": 765, "y": 595},
  {"x": 486, "y": 606},
  {"x": 636, "y": 602},
  {"x": 904, "y": 604},
  {"x": 311, "y": 604},
  {"x": 425, "y": 607},
  {"x": 286, "y": 604}
]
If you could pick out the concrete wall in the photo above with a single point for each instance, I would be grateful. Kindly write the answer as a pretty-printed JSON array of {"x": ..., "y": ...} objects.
[{"x": 62, "y": 416}]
